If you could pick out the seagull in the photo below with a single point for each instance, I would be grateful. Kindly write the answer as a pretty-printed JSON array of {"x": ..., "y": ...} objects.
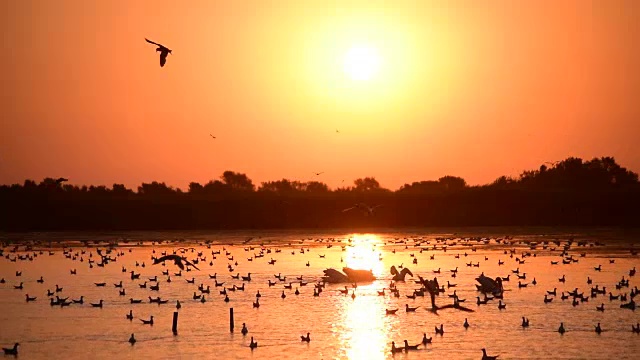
[
  {"x": 487, "y": 357},
  {"x": 164, "y": 51},
  {"x": 12, "y": 351},
  {"x": 177, "y": 259}
]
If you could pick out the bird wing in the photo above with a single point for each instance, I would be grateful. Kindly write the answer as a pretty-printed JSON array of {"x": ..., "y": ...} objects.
[
  {"x": 487, "y": 282},
  {"x": 163, "y": 58},
  {"x": 167, "y": 257},
  {"x": 351, "y": 208},
  {"x": 151, "y": 42},
  {"x": 190, "y": 263},
  {"x": 179, "y": 264}
]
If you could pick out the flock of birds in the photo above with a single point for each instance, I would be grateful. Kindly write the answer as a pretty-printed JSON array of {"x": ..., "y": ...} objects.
[{"x": 192, "y": 259}]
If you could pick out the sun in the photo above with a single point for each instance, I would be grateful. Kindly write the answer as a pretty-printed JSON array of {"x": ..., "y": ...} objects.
[{"x": 362, "y": 62}]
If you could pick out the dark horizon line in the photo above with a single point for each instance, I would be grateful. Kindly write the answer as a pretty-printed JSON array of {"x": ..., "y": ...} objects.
[{"x": 230, "y": 178}]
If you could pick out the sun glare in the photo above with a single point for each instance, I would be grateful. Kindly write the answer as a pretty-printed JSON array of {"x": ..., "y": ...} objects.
[
  {"x": 362, "y": 62},
  {"x": 362, "y": 253}
]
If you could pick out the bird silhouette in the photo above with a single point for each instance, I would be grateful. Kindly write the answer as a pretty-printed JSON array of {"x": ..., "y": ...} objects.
[
  {"x": 177, "y": 259},
  {"x": 164, "y": 51},
  {"x": 368, "y": 210},
  {"x": 61, "y": 180},
  {"x": 212, "y": 136}
]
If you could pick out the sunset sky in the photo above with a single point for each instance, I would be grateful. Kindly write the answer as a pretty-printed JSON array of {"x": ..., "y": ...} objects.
[{"x": 478, "y": 89}]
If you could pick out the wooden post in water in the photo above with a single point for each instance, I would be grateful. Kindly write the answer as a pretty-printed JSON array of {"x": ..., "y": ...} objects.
[
  {"x": 174, "y": 328},
  {"x": 231, "y": 319}
]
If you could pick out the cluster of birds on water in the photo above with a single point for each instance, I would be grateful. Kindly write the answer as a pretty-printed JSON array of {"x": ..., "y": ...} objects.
[{"x": 189, "y": 259}]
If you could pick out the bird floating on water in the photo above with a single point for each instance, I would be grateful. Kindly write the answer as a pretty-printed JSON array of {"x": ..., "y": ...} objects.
[{"x": 12, "y": 351}]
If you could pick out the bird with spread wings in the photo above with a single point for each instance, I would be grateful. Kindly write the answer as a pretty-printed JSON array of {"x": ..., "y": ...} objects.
[
  {"x": 177, "y": 259},
  {"x": 368, "y": 210},
  {"x": 164, "y": 51}
]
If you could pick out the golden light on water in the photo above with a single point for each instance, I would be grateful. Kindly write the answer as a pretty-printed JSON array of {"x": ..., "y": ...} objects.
[
  {"x": 366, "y": 328},
  {"x": 363, "y": 253}
]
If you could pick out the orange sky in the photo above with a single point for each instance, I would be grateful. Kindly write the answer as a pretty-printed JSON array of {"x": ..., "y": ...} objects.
[{"x": 478, "y": 89}]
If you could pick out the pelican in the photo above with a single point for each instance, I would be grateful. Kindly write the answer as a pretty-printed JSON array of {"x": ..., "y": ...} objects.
[
  {"x": 177, "y": 259},
  {"x": 164, "y": 51}
]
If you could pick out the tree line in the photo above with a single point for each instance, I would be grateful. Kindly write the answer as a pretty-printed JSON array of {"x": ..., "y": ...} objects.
[{"x": 571, "y": 192}]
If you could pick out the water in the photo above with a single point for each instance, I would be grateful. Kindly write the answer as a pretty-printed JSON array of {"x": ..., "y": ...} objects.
[{"x": 340, "y": 327}]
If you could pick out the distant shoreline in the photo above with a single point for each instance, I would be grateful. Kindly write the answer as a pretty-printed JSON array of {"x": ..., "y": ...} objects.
[{"x": 572, "y": 193}]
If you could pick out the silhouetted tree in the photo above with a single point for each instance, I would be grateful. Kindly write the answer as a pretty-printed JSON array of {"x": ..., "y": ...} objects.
[
  {"x": 237, "y": 181},
  {"x": 452, "y": 183},
  {"x": 571, "y": 192},
  {"x": 367, "y": 184}
]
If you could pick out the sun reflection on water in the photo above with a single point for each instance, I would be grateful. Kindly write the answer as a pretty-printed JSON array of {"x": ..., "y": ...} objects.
[
  {"x": 363, "y": 253},
  {"x": 365, "y": 329}
]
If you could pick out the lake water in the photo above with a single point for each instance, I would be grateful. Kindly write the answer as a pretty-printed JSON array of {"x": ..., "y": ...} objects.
[{"x": 340, "y": 327}]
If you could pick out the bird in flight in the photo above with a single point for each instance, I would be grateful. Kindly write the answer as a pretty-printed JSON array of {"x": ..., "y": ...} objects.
[
  {"x": 368, "y": 210},
  {"x": 212, "y": 136},
  {"x": 164, "y": 51},
  {"x": 61, "y": 180},
  {"x": 177, "y": 259},
  {"x": 338, "y": 132},
  {"x": 319, "y": 173}
]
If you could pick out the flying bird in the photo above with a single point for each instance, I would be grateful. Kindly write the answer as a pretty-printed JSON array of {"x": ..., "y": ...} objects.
[
  {"x": 164, "y": 51},
  {"x": 212, "y": 136},
  {"x": 368, "y": 210},
  {"x": 177, "y": 259},
  {"x": 319, "y": 173},
  {"x": 61, "y": 180}
]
